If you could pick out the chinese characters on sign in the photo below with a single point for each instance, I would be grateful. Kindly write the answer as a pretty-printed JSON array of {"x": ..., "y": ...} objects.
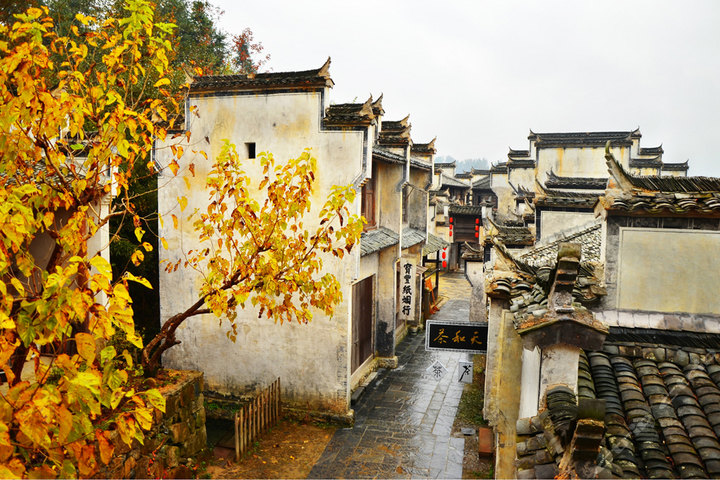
[
  {"x": 466, "y": 373},
  {"x": 468, "y": 337},
  {"x": 437, "y": 370},
  {"x": 407, "y": 289}
]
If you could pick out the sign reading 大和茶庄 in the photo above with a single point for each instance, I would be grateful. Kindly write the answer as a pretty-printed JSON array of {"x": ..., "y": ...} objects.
[{"x": 468, "y": 337}]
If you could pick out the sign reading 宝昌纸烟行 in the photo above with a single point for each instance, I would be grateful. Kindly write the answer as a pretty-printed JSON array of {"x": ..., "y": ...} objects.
[
  {"x": 468, "y": 337},
  {"x": 407, "y": 289}
]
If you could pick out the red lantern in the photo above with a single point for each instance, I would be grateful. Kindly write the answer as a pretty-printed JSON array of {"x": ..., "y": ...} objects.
[
  {"x": 477, "y": 235},
  {"x": 443, "y": 255},
  {"x": 450, "y": 219},
  {"x": 477, "y": 228},
  {"x": 477, "y": 221},
  {"x": 444, "y": 264}
]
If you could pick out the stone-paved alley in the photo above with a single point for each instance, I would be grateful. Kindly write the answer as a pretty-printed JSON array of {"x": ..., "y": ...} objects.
[{"x": 404, "y": 419}]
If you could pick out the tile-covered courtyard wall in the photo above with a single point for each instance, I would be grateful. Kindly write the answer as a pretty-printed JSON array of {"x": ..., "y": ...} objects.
[{"x": 171, "y": 447}]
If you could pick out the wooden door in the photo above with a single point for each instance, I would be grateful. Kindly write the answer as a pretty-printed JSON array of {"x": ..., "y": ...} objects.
[{"x": 362, "y": 321}]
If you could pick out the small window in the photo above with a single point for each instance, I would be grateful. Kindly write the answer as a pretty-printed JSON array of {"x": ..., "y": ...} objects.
[{"x": 250, "y": 146}]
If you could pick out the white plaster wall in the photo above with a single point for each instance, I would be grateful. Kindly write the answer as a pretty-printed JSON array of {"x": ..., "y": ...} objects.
[
  {"x": 522, "y": 177},
  {"x": 312, "y": 360},
  {"x": 667, "y": 270},
  {"x": 578, "y": 162},
  {"x": 559, "y": 366},
  {"x": 552, "y": 222},
  {"x": 530, "y": 383}
]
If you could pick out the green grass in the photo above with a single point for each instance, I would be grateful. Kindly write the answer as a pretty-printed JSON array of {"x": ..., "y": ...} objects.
[{"x": 471, "y": 405}]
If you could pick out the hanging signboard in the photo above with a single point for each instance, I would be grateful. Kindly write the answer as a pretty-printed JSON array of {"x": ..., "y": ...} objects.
[
  {"x": 468, "y": 337},
  {"x": 408, "y": 288}
]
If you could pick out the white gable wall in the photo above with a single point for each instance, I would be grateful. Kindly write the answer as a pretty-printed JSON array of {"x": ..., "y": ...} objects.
[{"x": 311, "y": 360}]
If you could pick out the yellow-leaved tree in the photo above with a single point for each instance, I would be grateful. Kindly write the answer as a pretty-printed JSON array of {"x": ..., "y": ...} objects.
[
  {"x": 76, "y": 115},
  {"x": 73, "y": 121},
  {"x": 258, "y": 248}
]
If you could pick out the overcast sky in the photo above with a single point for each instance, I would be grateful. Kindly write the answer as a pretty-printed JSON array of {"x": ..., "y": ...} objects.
[{"x": 480, "y": 74}]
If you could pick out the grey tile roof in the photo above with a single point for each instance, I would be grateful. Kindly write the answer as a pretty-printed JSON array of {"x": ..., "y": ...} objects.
[
  {"x": 376, "y": 240},
  {"x": 424, "y": 148},
  {"x": 665, "y": 184},
  {"x": 515, "y": 236},
  {"x": 433, "y": 244},
  {"x": 417, "y": 163},
  {"x": 583, "y": 139},
  {"x": 590, "y": 183},
  {"x": 307, "y": 79},
  {"x": 448, "y": 181},
  {"x": 482, "y": 183},
  {"x": 411, "y": 236},
  {"x": 675, "y": 166},
  {"x": 394, "y": 133},
  {"x": 545, "y": 253},
  {"x": 444, "y": 164},
  {"x": 662, "y": 401},
  {"x": 562, "y": 198},
  {"x": 472, "y": 210},
  {"x": 349, "y": 114},
  {"x": 388, "y": 156},
  {"x": 501, "y": 167}
]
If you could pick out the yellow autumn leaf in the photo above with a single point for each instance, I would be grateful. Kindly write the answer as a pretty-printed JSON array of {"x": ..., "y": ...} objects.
[
  {"x": 164, "y": 243},
  {"x": 140, "y": 280},
  {"x": 162, "y": 81},
  {"x": 85, "y": 344},
  {"x": 137, "y": 257},
  {"x": 102, "y": 266},
  {"x": 174, "y": 167},
  {"x": 183, "y": 203}
]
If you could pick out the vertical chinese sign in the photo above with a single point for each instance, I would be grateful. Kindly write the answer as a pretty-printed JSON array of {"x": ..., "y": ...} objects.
[{"x": 408, "y": 290}]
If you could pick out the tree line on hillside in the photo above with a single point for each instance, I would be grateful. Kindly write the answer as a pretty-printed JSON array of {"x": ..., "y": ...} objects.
[{"x": 466, "y": 165}]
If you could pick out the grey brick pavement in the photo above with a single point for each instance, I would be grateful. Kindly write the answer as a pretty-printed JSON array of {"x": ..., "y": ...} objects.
[{"x": 404, "y": 419}]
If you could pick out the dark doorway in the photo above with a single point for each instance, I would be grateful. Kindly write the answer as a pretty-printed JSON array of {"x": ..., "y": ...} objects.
[{"x": 362, "y": 320}]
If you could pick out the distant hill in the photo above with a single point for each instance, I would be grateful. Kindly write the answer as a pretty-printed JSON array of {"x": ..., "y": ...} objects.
[{"x": 464, "y": 165}]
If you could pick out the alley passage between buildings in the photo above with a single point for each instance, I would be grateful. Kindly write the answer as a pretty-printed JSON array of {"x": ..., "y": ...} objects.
[{"x": 404, "y": 419}]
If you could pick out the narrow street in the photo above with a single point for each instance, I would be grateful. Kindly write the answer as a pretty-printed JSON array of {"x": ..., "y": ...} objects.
[{"x": 405, "y": 417}]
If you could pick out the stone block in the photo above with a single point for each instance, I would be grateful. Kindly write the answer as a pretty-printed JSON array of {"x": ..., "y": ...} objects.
[
  {"x": 525, "y": 463},
  {"x": 656, "y": 320},
  {"x": 543, "y": 456},
  {"x": 200, "y": 418},
  {"x": 523, "y": 426},
  {"x": 672, "y": 322},
  {"x": 142, "y": 468},
  {"x": 626, "y": 319},
  {"x": 712, "y": 324},
  {"x": 155, "y": 469},
  {"x": 526, "y": 474},
  {"x": 179, "y": 432},
  {"x": 641, "y": 320},
  {"x": 128, "y": 470},
  {"x": 171, "y": 407},
  {"x": 548, "y": 470},
  {"x": 172, "y": 456}
]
